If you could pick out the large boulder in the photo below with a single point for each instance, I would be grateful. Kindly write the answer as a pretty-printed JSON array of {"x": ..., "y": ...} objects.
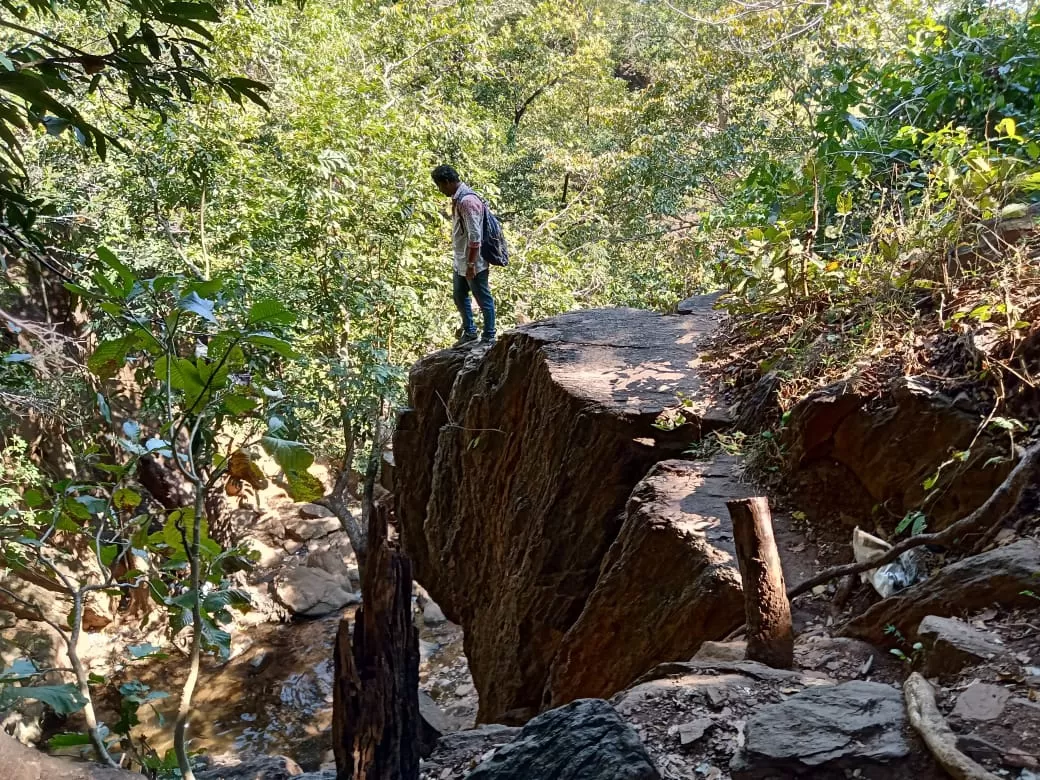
[
  {"x": 668, "y": 582},
  {"x": 514, "y": 466},
  {"x": 849, "y": 452},
  {"x": 584, "y": 739}
]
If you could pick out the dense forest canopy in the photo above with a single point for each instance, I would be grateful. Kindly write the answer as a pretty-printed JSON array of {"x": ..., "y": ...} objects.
[{"x": 220, "y": 236}]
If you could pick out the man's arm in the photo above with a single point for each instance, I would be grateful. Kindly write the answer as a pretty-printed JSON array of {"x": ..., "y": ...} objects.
[{"x": 472, "y": 211}]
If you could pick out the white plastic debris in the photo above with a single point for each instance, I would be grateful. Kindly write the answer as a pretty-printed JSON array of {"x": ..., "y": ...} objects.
[{"x": 892, "y": 577}]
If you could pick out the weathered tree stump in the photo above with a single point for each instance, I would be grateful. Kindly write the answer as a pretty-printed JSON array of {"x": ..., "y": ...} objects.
[
  {"x": 375, "y": 721},
  {"x": 770, "y": 638}
]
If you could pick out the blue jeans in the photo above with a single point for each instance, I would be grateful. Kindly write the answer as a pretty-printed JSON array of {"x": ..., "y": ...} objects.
[{"x": 482, "y": 292}]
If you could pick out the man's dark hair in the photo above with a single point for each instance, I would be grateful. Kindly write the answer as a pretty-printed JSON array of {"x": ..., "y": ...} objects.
[{"x": 445, "y": 173}]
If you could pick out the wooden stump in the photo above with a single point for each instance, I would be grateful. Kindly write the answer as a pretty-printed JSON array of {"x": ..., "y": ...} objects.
[
  {"x": 770, "y": 639},
  {"x": 375, "y": 720}
]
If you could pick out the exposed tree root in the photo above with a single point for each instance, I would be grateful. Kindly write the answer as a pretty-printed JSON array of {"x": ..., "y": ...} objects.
[{"x": 930, "y": 724}]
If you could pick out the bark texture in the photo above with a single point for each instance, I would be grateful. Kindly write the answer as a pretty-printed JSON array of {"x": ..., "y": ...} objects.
[
  {"x": 375, "y": 721},
  {"x": 770, "y": 639}
]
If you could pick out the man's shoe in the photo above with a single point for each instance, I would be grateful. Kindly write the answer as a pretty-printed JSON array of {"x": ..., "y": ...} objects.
[
  {"x": 466, "y": 338},
  {"x": 486, "y": 339}
]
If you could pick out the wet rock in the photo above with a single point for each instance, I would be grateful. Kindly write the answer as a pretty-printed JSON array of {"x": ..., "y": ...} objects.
[
  {"x": 584, "y": 739},
  {"x": 998, "y": 576},
  {"x": 509, "y": 510},
  {"x": 259, "y": 768},
  {"x": 951, "y": 644},
  {"x": 823, "y": 731},
  {"x": 668, "y": 582},
  {"x": 981, "y": 701},
  {"x": 311, "y": 592},
  {"x": 849, "y": 452}
]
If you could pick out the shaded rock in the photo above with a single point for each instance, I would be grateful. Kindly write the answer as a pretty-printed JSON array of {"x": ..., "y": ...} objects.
[
  {"x": 997, "y": 576},
  {"x": 19, "y": 762},
  {"x": 455, "y": 753},
  {"x": 701, "y": 305},
  {"x": 841, "y": 656},
  {"x": 260, "y": 768},
  {"x": 981, "y": 701},
  {"x": 721, "y": 651},
  {"x": 315, "y": 512},
  {"x": 303, "y": 529},
  {"x": 951, "y": 644},
  {"x": 1011, "y": 740},
  {"x": 668, "y": 582},
  {"x": 509, "y": 510},
  {"x": 386, "y": 471},
  {"x": 822, "y": 731},
  {"x": 312, "y": 592},
  {"x": 584, "y": 739},
  {"x": 848, "y": 453}
]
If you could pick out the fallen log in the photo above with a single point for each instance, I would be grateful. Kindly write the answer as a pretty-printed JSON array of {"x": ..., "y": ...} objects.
[
  {"x": 770, "y": 639},
  {"x": 937, "y": 735}
]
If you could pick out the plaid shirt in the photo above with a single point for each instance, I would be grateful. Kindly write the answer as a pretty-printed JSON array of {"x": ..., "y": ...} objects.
[{"x": 467, "y": 226}]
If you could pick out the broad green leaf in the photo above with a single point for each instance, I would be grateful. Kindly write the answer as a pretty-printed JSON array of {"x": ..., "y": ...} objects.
[
  {"x": 197, "y": 305},
  {"x": 274, "y": 344},
  {"x": 126, "y": 276},
  {"x": 33, "y": 498},
  {"x": 110, "y": 356},
  {"x": 144, "y": 650},
  {"x": 126, "y": 498},
  {"x": 63, "y": 699},
  {"x": 304, "y": 486},
  {"x": 291, "y": 456},
  {"x": 270, "y": 312},
  {"x": 68, "y": 739}
]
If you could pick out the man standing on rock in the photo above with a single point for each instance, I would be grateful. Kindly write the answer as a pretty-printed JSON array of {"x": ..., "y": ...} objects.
[{"x": 471, "y": 270}]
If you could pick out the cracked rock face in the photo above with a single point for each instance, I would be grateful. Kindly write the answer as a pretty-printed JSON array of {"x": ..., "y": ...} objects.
[{"x": 514, "y": 466}]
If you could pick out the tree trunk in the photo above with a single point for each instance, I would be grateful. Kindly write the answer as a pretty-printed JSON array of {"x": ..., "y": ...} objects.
[
  {"x": 770, "y": 639},
  {"x": 375, "y": 727}
]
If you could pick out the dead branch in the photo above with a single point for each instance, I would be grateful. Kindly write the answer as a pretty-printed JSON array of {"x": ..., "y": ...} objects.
[
  {"x": 1004, "y": 501},
  {"x": 930, "y": 724}
]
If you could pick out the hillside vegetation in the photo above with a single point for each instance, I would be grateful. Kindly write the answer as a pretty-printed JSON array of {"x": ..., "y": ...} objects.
[{"x": 220, "y": 239}]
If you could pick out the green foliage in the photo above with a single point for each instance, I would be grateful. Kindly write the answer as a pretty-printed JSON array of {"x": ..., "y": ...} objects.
[{"x": 150, "y": 55}]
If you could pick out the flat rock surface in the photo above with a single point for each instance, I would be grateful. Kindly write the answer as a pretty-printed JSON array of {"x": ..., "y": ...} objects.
[
  {"x": 582, "y": 740},
  {"x": 826, "y": 729},
  {"x": 952, "y": 644}
]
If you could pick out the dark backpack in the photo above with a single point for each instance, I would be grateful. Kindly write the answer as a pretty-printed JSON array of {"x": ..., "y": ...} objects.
[{"x": 493, "y": 247}]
